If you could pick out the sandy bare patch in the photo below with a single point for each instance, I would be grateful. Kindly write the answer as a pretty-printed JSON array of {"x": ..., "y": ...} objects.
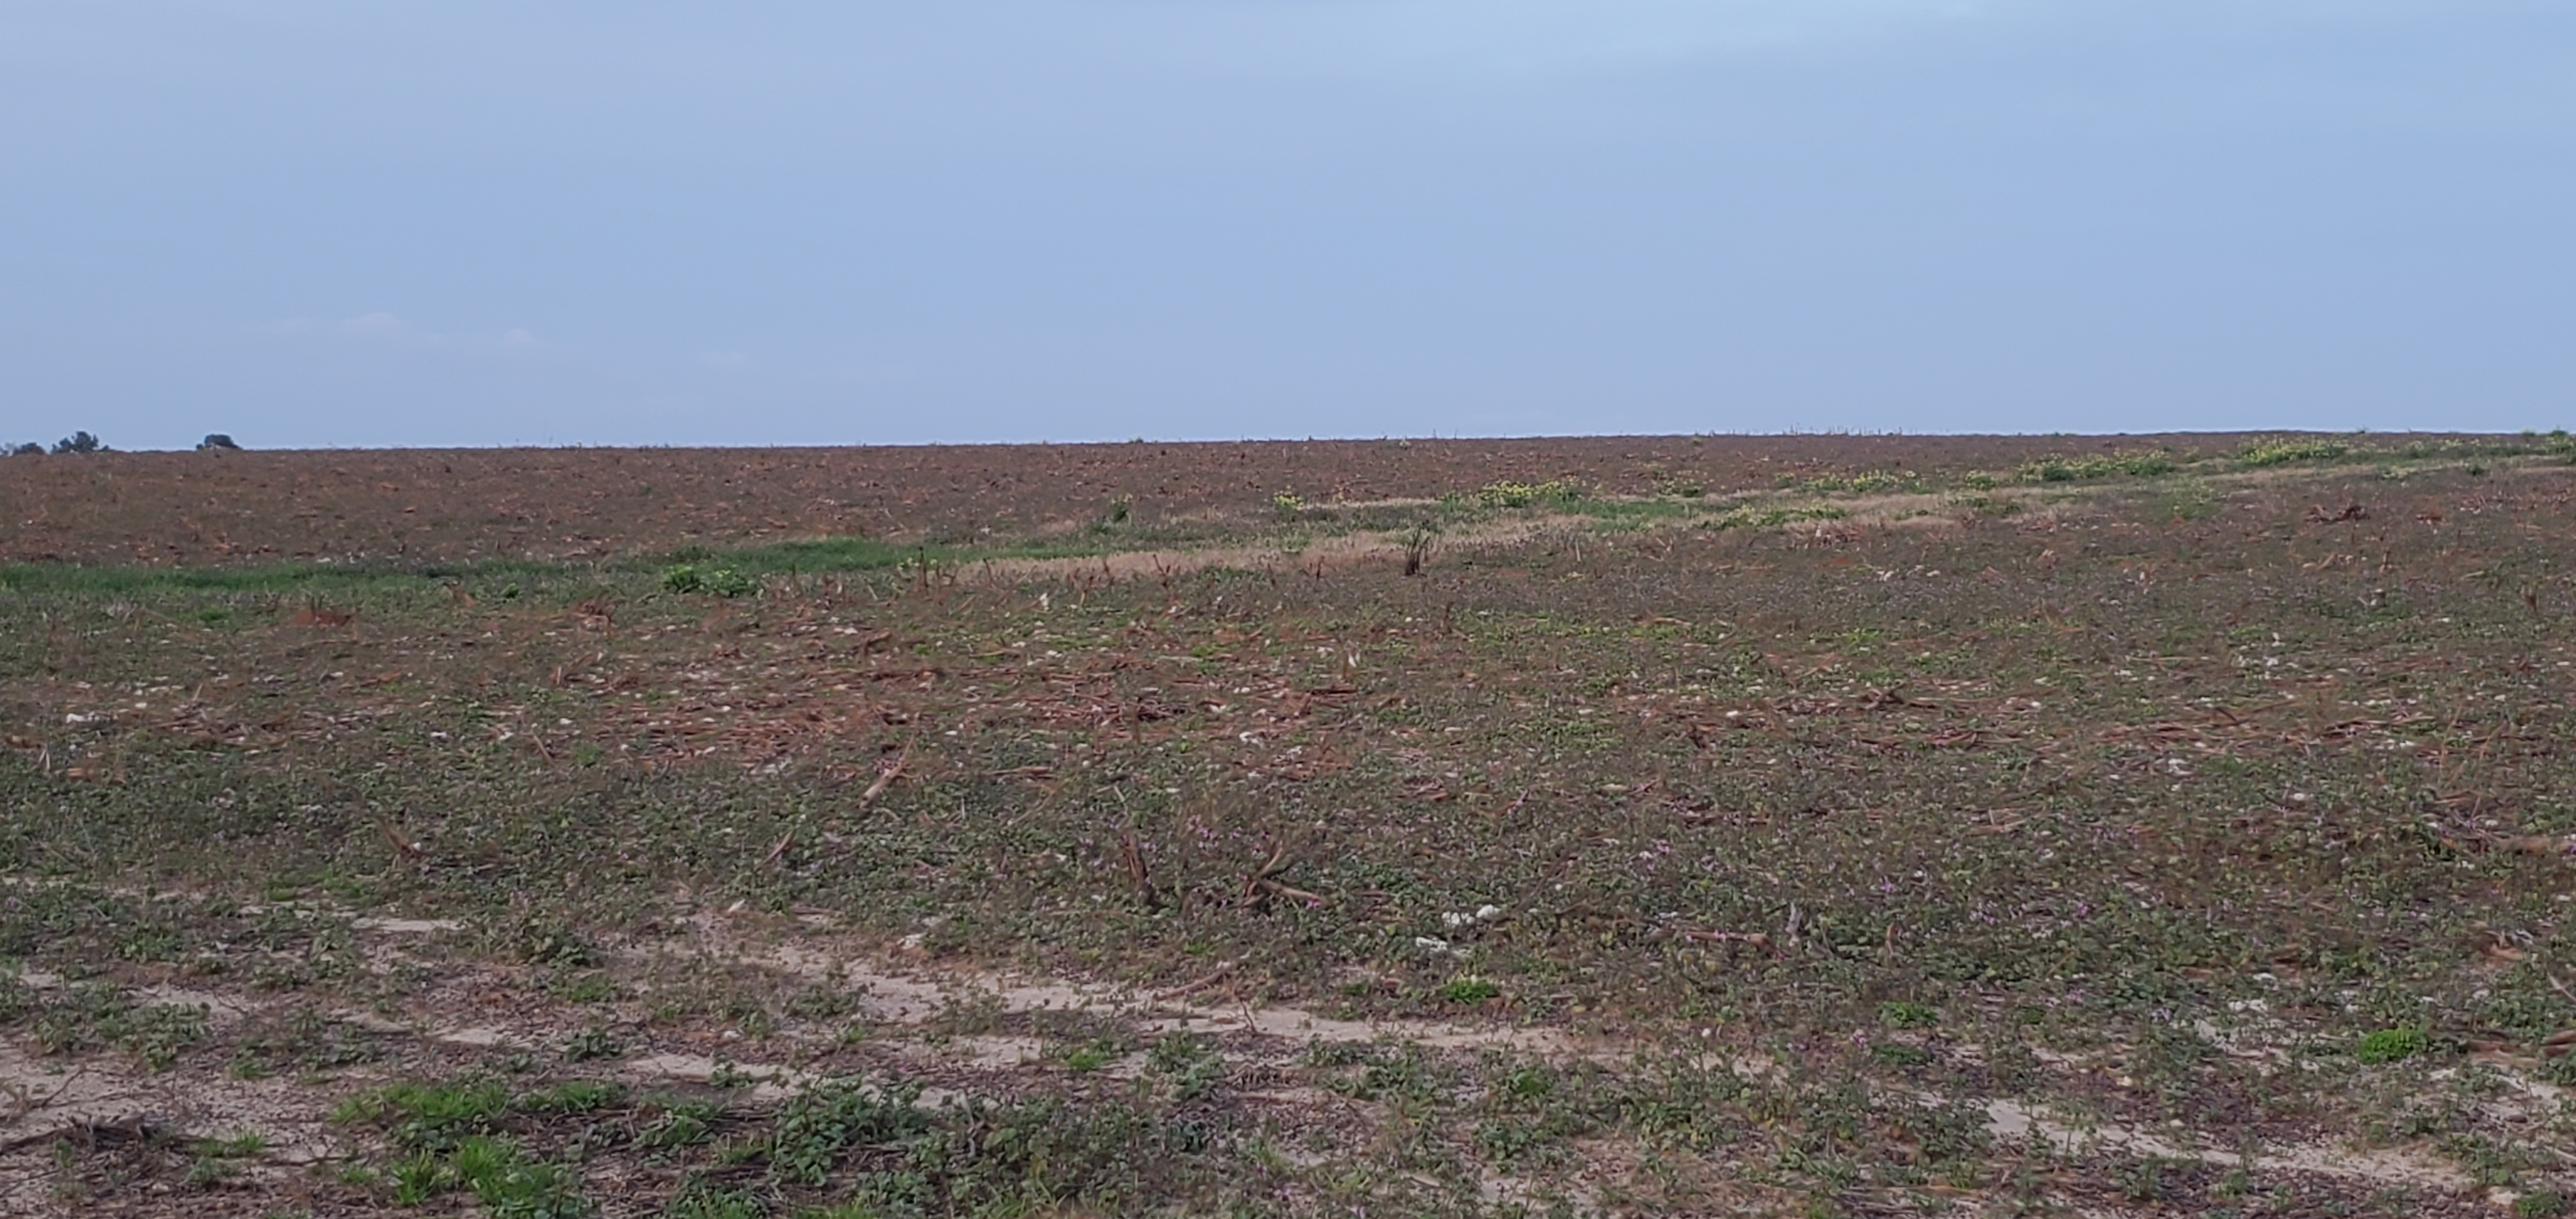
[
  {"x": 1334, "y": 553},
  {"x": 895, "y": 996},
  {"x": 2011, "y": 1121},
  {"x": 408, "y": 926},
  {"x": 891, "y": 996},
  {"x": 898, "y": 1009},
  {"x": 44, "y": 1099}
]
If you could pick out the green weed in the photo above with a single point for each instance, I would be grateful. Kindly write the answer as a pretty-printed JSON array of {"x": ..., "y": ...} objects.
[
  {"x": 1899, "y": 1014},
  {"x": 1469, "y": 990},
  {"x": 2122, "y": 465},
  {"x": 2391, "y": 1045},
  {"x": 429, "y": 1117},
  {"x": 1560, "y": 492},
  {"x": 2285, "y": 450},
  {"x": 713, "y": 581}
]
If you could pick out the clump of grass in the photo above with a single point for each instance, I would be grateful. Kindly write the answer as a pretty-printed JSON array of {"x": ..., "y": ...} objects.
[
  {"x": 573, "y": 1096},
  {"x": 2540, "y": 1204},
  {"x": 499, "y": 1174},
  {"x": 1556, "y": 491},
  {"x": 1089, "y": 1057},
  {"x": 592, "y": 1043},
  {"x": 699, "y": 1199},
  {"x": 716, "y": 581},
  {"x": 1868, "y": 482},
  {"x": 2276, "y": 451},
  {"x": 2391, "y": 1045},
  {"x": 2143, "y": 464},
  {"x": 1192, "y": 1065},
  {"x": 822, "y": 1123},
  {"x": 681, "y": 1124},
  {"x": 1469, "y": 990},
  {"x": 1908, "y": 1015},
  {"x": 455, "y": 1137},
  {"x": 429, "y": 1117}
]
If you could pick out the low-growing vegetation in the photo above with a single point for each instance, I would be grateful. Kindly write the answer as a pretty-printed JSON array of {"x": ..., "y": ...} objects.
[{"x": 2014, "y": 827}]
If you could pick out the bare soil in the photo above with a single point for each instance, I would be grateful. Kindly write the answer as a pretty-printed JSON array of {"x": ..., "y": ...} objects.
[{"x": 1817, "y": 826}]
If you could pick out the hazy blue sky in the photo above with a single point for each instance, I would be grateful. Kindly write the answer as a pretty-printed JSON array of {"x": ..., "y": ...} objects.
[{"x": 458, "y": 222}]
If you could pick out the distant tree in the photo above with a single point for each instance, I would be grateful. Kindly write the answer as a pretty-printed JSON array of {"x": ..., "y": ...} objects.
[
  {"x": 216, "y": 440},
  {"x": 29, "y": 449},
  {"x": 79, "y": 442}
]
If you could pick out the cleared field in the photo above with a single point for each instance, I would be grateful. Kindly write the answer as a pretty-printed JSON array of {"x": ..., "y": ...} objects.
[
  {"x": 431, "y": 506},
  {"x": 1819, "y": 825}
]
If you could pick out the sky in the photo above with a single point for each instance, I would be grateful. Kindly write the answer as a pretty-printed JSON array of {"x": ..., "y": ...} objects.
[{"x": 406, "y": 222}]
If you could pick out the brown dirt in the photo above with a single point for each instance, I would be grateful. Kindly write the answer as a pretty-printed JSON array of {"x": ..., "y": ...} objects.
[
  {"x": 426, "y": 506},
  {"x": 863, "y": 690}
]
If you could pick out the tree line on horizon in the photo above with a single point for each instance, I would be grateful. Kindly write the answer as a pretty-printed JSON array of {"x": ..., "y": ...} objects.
[{"x": 83, "y": 442}]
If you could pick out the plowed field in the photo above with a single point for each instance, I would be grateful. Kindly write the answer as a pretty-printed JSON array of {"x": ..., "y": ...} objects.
[{"x": 1799, "y": 826}]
